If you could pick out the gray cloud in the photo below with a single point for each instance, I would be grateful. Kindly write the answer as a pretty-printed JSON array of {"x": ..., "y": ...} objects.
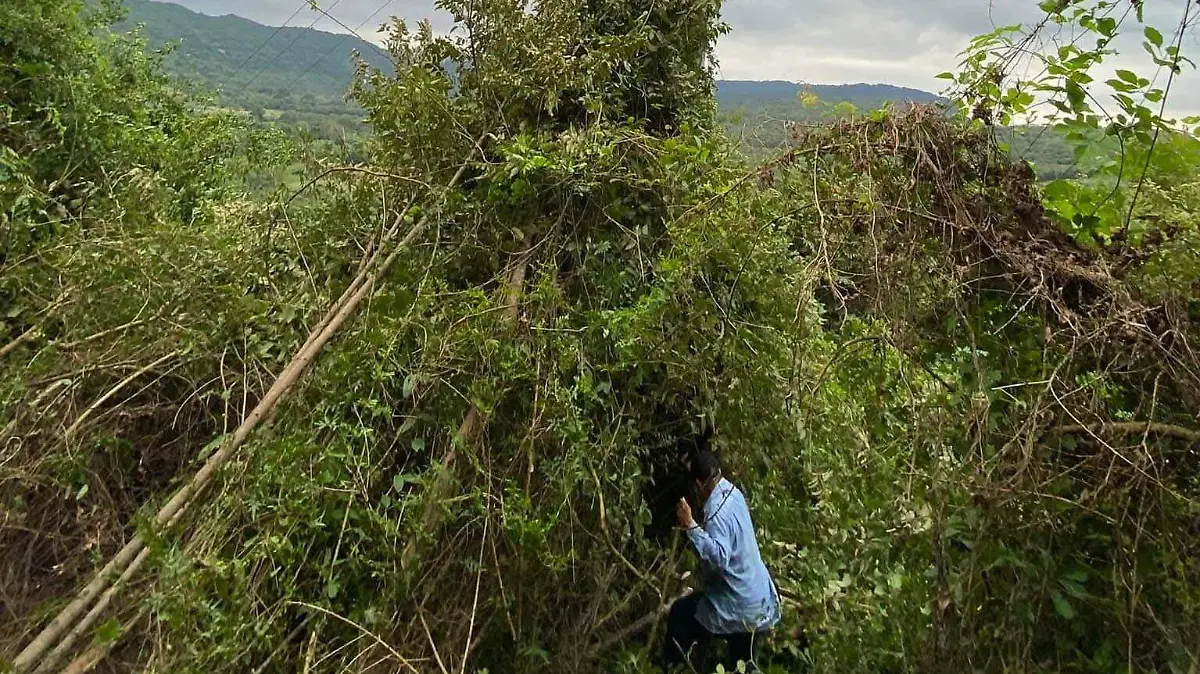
[{"x": 903, "y": 42}]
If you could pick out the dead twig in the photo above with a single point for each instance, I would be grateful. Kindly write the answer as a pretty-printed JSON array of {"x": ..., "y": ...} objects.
[
  {"x": 396, "y": 654},
  {"x": 115, "y": 390}
]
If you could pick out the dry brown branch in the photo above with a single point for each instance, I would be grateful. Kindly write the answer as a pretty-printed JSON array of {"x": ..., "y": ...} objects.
[
  {"x": 286, "y": 640},
  {"x": 429, "y": 635},
  {"x": 475, "y": 602},
  {"x": 607, "y": 538},
  {"x": 352, "y": 169},
  {"x": 115, "y": 390},
  {"x": 105, "y": 333},
  {"x": 637, "y": 627},
  {"x": 396, "y": 654}
]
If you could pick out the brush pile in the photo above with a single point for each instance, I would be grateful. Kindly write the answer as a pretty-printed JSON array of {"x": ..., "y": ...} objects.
[{"x": 469, "y": 365}]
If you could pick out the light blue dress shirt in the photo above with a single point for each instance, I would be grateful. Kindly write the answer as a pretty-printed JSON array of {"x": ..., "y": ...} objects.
[{"x": 738, "y": 593}]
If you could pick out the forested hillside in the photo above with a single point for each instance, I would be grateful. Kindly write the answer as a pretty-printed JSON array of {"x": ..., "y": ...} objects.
[
  {"x": 425, "y": 412},
  {"x": 294, "y": 68},
  {"x": 299, "y": 77}
]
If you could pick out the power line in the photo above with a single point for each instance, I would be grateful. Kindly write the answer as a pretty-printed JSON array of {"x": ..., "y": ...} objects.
[
  {"x": 354, "y": 31},
  {"x": 262, "y": 46},
  {"x": 296, "y": 39},
  {"x": 338, "y": 44}
]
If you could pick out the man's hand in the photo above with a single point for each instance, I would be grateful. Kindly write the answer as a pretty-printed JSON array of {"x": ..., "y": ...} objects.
[{"x": 683, "y": 513}]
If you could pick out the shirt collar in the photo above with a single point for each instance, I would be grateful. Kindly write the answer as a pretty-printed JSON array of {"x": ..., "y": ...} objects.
[{"x": 718, "y": 496}]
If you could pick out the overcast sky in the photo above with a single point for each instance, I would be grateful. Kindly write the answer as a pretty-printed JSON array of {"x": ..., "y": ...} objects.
[{"x": 902, "y": 42}]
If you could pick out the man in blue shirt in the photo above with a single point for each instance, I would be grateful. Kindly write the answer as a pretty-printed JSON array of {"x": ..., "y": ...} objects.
[{"x": 738, "y": 601}]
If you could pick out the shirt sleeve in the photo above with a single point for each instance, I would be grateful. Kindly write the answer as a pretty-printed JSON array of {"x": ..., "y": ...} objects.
[{"x": 714, "y": 543}]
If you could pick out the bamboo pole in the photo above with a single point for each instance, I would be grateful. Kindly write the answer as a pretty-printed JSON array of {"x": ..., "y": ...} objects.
[
  {"x": 362, "y": 284},
  {"x": 92, "y": 616},
  {"x": 21, "y": 338},
  {"x": 1134, "y": 427},
  {"x": 471, "y": 427},
  {"x": 636, "y": 627}
]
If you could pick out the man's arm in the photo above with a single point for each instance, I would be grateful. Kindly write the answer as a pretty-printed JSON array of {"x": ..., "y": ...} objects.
[{"x": 714, "y": 544}]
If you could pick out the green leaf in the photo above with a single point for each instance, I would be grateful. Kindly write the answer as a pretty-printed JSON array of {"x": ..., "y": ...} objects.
[
  {"x": 1078, "y": 575},
  {"x": 945, "y": 76},
  {"x": 1129, "y": 76},
  {"x": 34, "y": 69},
  {"x": 1074, "y": 589},
  {"x": 418, "y": 444},
  {"x": 1062, "y": 606},
  {"x": 1076, "y": 95},
  {"x": 1118, "y": 85},
  {"x": 213, "y": 445},
  {"x": 410, "y": 383},
  {"x": 108, "y": 631},
  {"x": 1154, "y": 36}
]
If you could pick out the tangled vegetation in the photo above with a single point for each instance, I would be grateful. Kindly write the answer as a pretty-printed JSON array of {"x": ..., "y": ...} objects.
[{"x": 963, "y": 406}]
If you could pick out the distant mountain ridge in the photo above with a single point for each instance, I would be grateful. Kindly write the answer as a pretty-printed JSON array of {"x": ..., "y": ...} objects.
[
  {"x": 299, "y": 76},
  {"x": 295, "y": 67},
  {"x": 252, "y": 64},
  {"x": 747, "y": 92}
]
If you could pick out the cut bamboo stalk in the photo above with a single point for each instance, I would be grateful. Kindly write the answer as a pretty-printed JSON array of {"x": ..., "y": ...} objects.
[
  {"x": 92, "y": 616},
  {"x": 88, "y": 661},
  {"x": 33, "y": 653},
  {"x": 22, "y": 338},
  {"x": 360, "y": 275},
  {"x": 637, "y": 627},
  {"x": 470, "y": 430}
]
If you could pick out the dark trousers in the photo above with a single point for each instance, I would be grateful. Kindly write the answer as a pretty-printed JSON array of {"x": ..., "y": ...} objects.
[{"x": 688, "y": 641}]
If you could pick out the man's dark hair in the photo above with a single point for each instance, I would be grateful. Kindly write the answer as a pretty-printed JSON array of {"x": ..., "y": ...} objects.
[{"x": 704, "y": 466}]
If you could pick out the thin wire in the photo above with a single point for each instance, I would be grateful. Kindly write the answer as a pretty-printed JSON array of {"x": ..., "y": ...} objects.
[
  {"x": 1174, "y": 69},
  {"x": 354, "y": 31},
  {"x": 296, "y": 39},
  {"x": 334, "y": 48},
  {"x": 262, "y": 46}
]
